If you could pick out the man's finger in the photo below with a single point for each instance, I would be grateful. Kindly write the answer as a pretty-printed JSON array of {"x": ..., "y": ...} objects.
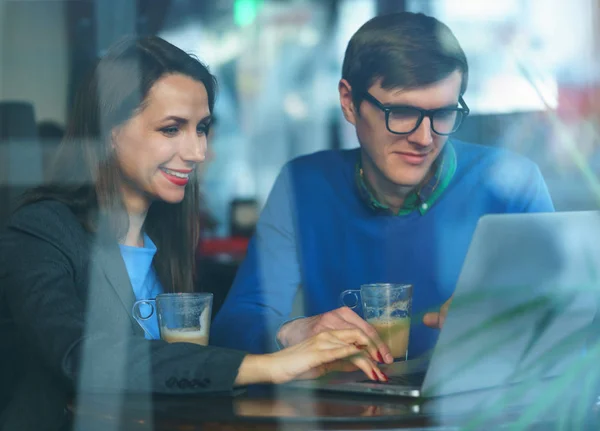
[
  {"x": 432, "y": 320},
  {"x": 444, "y": 312}
]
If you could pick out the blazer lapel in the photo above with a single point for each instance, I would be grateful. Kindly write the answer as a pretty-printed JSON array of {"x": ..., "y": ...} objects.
[{"x": 110, "y": 263}]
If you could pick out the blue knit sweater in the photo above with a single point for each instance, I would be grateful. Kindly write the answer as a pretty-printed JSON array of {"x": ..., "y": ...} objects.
[{"x": 317, "y": 232}]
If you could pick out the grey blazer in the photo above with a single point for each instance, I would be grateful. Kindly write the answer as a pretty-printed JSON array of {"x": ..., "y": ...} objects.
[{"x": 67, "y": 330}]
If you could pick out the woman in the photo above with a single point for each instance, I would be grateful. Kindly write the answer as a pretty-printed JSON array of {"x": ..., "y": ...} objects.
[{"x": 125, "y": 185}]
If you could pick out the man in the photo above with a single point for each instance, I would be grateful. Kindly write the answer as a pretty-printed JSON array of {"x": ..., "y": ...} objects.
[{"x": 400, "y": 209}]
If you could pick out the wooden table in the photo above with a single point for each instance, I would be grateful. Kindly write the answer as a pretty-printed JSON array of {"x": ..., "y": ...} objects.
[{"x": 282, "y": 409}]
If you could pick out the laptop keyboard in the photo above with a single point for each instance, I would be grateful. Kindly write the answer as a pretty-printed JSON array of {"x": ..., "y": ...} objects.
[{"x": 413, "y": 379}]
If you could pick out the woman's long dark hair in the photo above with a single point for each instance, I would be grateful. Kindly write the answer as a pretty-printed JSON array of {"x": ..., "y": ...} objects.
[{"x": 85, "y": 175}]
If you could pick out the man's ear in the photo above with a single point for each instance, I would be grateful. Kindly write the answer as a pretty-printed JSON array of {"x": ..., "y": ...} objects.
[{"x": 348, "y": 109}]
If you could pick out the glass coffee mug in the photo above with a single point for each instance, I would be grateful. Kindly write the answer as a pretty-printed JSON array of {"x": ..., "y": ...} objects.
[
  {"x": 182, "y": 317},
  {"x": 386, "y": 307}
]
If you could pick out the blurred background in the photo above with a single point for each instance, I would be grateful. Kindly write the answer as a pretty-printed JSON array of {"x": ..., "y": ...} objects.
[{"x": 534, "y": 86}]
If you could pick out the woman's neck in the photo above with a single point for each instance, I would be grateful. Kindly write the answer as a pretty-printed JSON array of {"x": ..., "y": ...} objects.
[
  {"x": 135, "y": 235},
  {"x": 137, "y": 209}
]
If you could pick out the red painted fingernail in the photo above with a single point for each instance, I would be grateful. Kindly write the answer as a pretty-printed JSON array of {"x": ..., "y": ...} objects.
[
  {"x": 379, "y": 357},
  {"x": 386, "y": 377},
  {"x": 375, "y": 375}
]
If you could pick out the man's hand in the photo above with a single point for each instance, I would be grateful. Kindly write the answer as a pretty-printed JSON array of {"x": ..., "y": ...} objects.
[
  {"x": 436, "y": 320},
  {"x": 299, "y": 330}
]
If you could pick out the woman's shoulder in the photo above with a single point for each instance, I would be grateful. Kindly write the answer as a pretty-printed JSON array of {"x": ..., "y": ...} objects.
[
  {"x": 43, "y": 211},
  {"x": 50, "y": 220}
]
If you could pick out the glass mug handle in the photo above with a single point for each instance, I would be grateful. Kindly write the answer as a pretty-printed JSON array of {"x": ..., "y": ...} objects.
[
  {"x": 354, "y": 293},
  {"x": 140, "y": 318}
]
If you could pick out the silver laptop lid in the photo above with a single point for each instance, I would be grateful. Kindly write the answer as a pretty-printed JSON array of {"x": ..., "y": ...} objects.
[{"x": 523, "y": 302}]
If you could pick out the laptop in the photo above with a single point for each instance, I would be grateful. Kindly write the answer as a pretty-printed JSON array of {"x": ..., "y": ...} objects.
[{"x": 522, "y": 308}]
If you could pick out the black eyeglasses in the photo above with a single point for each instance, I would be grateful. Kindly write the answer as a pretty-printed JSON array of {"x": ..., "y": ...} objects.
[{"x": 405, "y": 119}]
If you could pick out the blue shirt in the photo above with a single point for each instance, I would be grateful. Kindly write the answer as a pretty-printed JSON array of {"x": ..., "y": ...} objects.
[
  {"x": 138, "y": 261},
  {"x": 316, "y": 231}
]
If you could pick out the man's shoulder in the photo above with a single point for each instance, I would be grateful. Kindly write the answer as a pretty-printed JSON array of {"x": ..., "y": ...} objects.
[
  {"x": 314, "y": 176},
  {"x": 504, "y": 173},
  {"x": 470, "y": 155},
  {"x": 325, "y": 160}
]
